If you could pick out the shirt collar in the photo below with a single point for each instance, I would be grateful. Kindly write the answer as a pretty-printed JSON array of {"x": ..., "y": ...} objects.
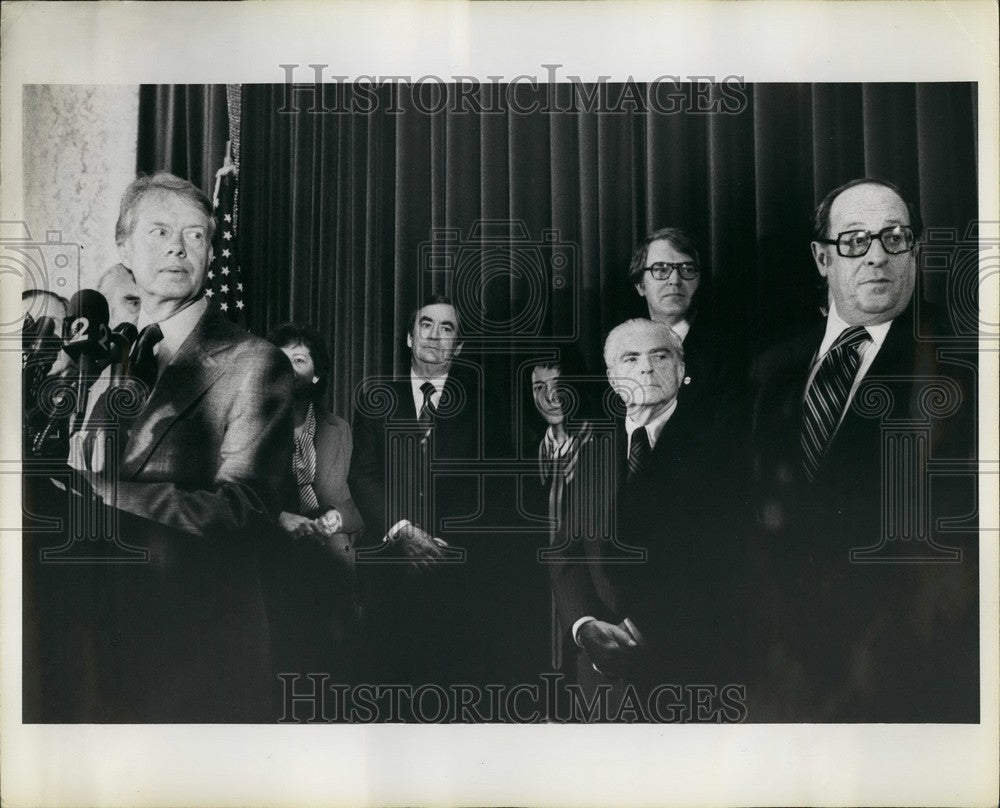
[
  {"x": 179, "y": 326},
  {"x": 681, "y": 329},
  {"x": 654, "y": 427},
  {"x": 835, "y": 326},
  {"x": 416, "y": 381}
]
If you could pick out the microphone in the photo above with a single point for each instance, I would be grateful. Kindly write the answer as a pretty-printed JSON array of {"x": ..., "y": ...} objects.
[
  {"x": 39, "y": 347},
  {"x": 88, "y": 343},
  {"x": 123, "y": 337}
]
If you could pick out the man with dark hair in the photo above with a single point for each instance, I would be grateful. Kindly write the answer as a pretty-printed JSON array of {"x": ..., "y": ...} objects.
[
  {"x": 667, "y": 270},
  {"x": 420, "y": 597},
  {"x": 431, "y": 396},
  {"x": 844, "y": 509},
  {"x": 197, "y": 481}
]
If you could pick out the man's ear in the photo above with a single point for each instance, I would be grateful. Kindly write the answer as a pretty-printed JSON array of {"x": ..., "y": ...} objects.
[
  {"x": 821, "y": 256},
  {"x": 409, "y": 340},
  {"x": 125, "y": 253},
  {"x": 640, "y": 287},
  {"x": 458, "y": 349}
]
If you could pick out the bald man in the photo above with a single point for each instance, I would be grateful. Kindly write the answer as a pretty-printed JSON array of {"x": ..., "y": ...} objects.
[{"x": 119, "y": 288}]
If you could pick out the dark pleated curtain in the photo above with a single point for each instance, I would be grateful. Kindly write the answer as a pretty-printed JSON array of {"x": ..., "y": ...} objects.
[
  {"x": 528, "y": 219},
  {"x": 183, "y": 129}
]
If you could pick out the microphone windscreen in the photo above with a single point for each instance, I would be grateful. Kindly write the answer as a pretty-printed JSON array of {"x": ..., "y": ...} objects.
[
  {"x": 88, "y": 303},
  {"x": 127, "y": 330},
  {"x": 86, "y": 325}
]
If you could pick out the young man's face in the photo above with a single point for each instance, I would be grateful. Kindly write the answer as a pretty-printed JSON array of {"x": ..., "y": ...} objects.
[{"x": 545, "y": 392}]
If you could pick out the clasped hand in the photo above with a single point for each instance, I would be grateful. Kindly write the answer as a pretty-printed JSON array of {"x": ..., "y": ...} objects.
[
  {"x": 417, "y": 546},
  {"x": 321, "y": 527},
  {"x": 611, "y": 648}
]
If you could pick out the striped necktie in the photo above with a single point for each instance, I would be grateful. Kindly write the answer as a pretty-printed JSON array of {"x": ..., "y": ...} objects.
[
  {"x": 638, "y": 452},
  {"x": 826, "y": 398},
  {"x": 427, "y": 408}
]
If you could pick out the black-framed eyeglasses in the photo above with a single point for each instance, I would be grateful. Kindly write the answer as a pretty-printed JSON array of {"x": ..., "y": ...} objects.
[
  {"x": 661, "y": 270},
  {"x": 856, "y": 243}
]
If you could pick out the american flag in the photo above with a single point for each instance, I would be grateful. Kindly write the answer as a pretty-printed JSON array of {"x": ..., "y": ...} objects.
[{"x": 225, "y": 281}]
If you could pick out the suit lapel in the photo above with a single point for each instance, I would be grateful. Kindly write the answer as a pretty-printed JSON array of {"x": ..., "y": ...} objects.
[
  {"x": 192, "y": 371},
  {"x": 406, "y": 409}
]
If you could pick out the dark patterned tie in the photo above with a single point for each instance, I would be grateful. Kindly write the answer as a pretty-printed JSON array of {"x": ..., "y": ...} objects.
[
  {"x": 427, "y": 408},
  {"x": 105, "y": 414},
  {"x": 638, "y": 452},
  {"x": 826, "y": 397},
  {"x": 144, "y": 365}
]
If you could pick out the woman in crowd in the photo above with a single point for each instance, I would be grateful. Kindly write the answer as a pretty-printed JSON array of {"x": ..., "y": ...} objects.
[
  {"x": 555, "y": 429},
  {"x": 315, "y": 613},
  {"x": 559, "y": 392}
]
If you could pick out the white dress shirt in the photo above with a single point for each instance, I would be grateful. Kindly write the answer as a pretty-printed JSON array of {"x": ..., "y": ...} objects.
[
  {"x": 867, "y": 352},
  {"x": 418, "y": 395},
  {"x": 176, "y": 329}
]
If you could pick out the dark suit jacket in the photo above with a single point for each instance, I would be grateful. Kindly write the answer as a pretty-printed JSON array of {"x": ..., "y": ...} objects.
[
  {"x": 421, "y": 627},
  {"x": 682, "y": 593},
  {"x": 384, "y": 408},
  {"x": 198, "y": 489},
  {"x": 869, "y": 638},
  {"x": 715, "y": 362}
]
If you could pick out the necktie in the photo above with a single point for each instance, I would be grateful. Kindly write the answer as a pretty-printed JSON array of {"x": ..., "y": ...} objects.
[
  {"x": 638, "y": 452},
  {"x": 105, "y": 415},
  {"x": 826, "y": 397},
  {"x": 427, "y": 408},
  {"x": 143, "y": 359}
]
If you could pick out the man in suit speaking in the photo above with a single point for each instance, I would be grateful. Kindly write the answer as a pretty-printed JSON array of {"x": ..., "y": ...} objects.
[
  {"x": 867, "y": 606},
  {"x": 198, "y": 479}
]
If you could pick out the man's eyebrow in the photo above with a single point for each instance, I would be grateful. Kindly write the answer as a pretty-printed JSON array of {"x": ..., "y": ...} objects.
[
  {"x": 627, "y": 354},
  {"x": 861, "y": 225}
]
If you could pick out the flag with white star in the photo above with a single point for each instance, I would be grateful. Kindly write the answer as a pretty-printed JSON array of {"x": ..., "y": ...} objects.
[{"x": 225, "y": 281}]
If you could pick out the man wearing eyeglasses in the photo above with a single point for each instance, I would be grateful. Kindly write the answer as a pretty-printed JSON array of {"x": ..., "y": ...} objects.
[
  {"x": 667, "y": 271},
  {"x": 843, "y": 505}
]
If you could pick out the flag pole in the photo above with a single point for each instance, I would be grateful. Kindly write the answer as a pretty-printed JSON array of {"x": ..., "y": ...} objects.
[{"x": 228, "y": 167}]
